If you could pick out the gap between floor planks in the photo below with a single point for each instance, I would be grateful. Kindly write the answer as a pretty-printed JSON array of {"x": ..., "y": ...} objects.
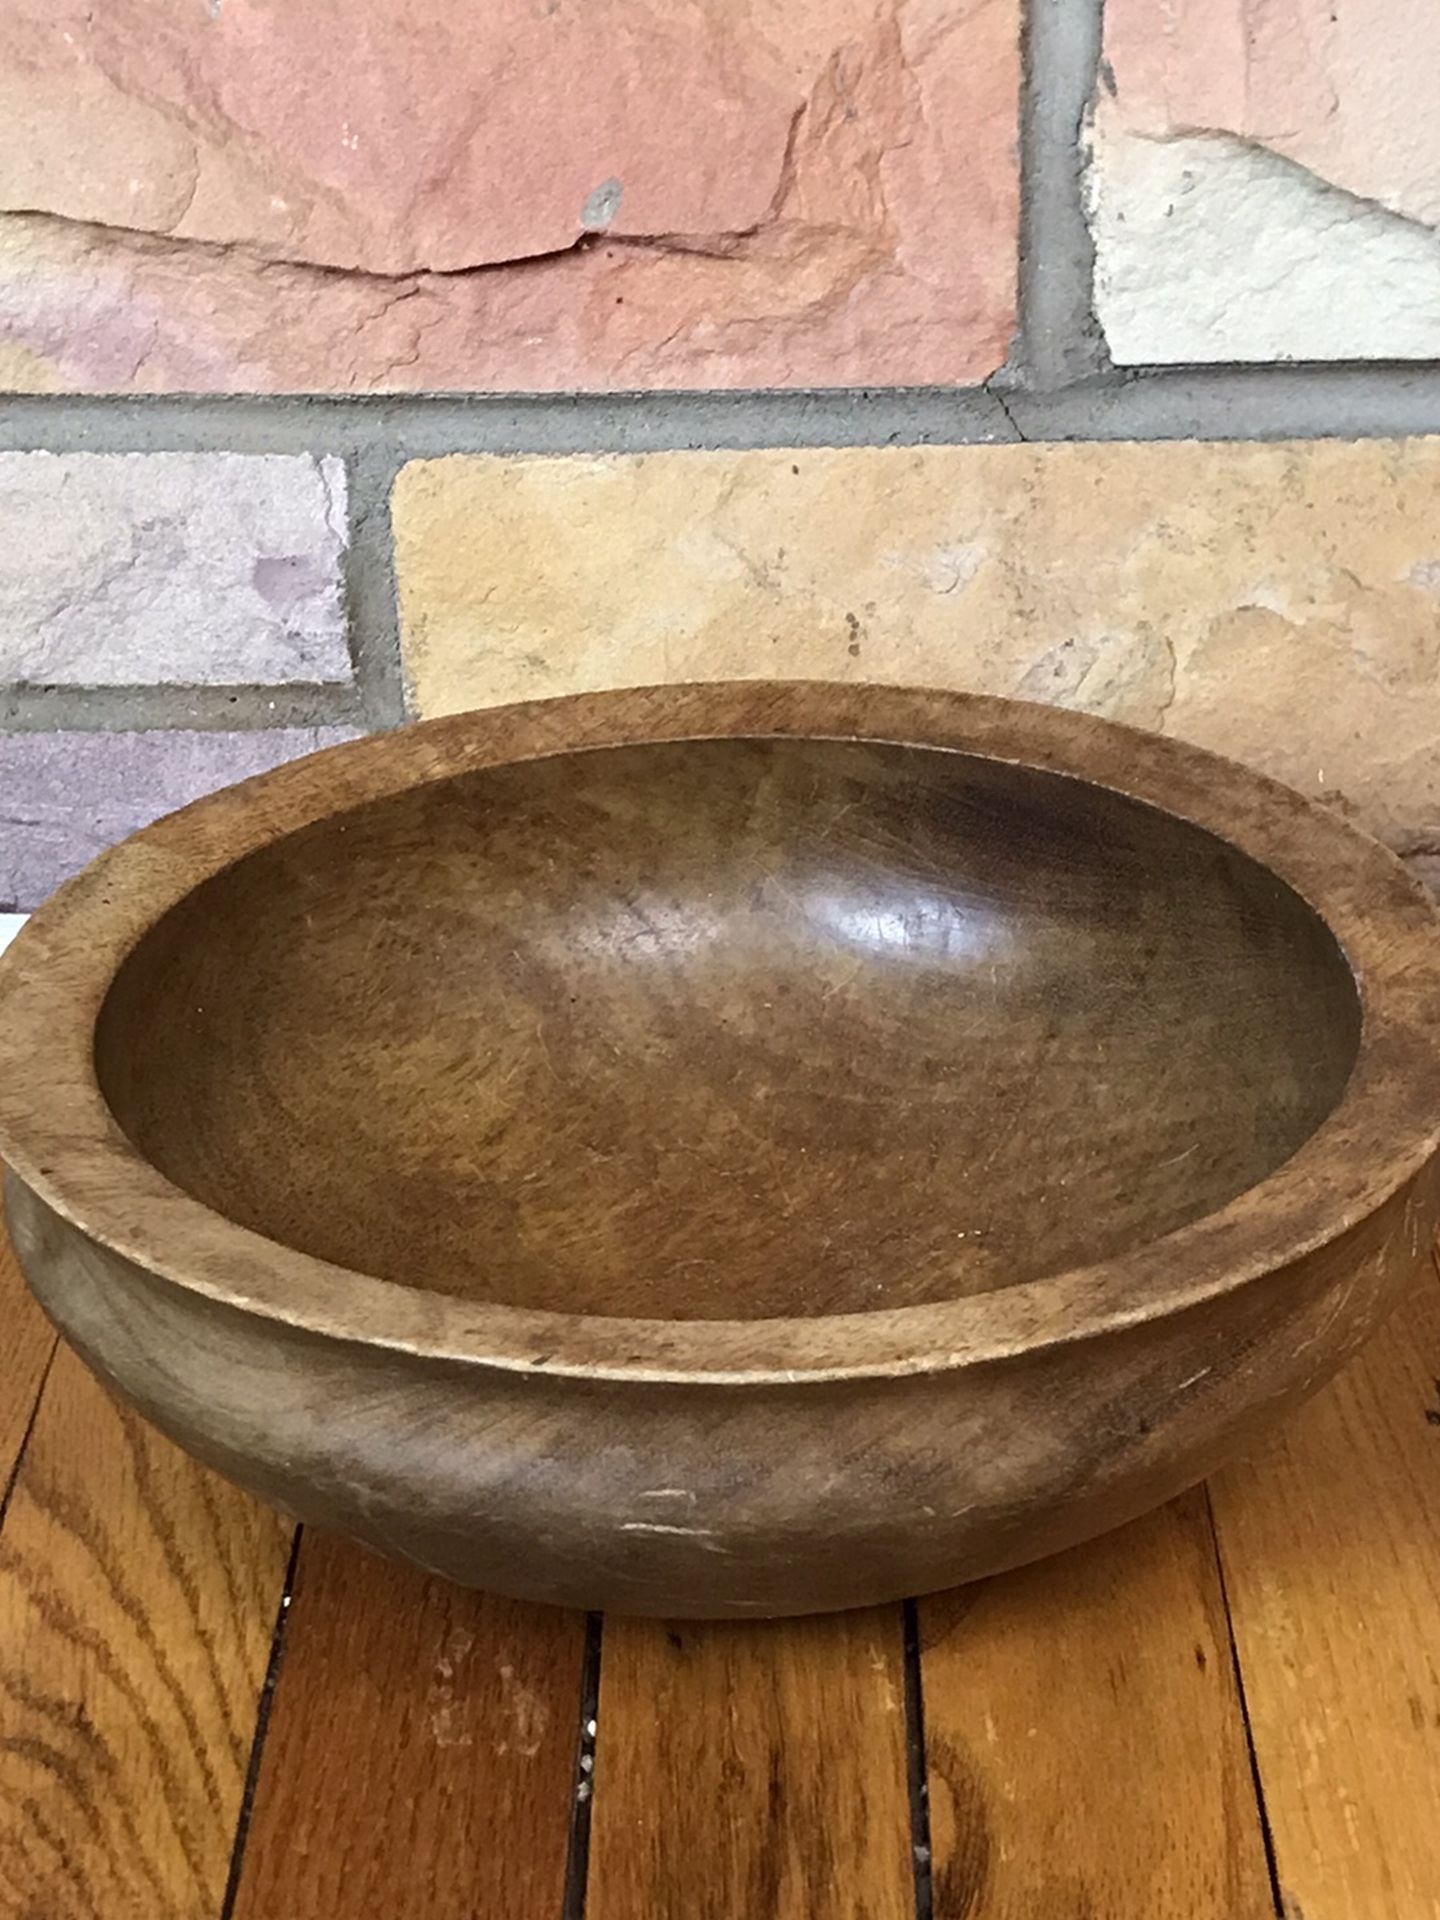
[{"x": 31, "y": 1347}]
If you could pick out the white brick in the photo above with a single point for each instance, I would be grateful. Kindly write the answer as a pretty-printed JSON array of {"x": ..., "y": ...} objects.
[{"x": 177, "y": 568}]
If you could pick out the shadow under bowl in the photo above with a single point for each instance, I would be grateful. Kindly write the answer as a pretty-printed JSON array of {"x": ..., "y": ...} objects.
[{"x": 728, "y": 1149}]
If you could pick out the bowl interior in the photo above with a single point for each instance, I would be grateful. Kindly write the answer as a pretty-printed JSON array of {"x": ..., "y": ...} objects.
[{"x": 730, "y": 1028}]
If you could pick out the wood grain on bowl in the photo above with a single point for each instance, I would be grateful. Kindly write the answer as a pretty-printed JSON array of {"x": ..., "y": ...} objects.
[
  {"x": 727, "y": 1150},
  {"x": 729, "y": 1029}
]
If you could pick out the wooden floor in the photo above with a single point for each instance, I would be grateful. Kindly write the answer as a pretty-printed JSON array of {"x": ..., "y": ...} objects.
[{"x": 1230, "y": 1709}]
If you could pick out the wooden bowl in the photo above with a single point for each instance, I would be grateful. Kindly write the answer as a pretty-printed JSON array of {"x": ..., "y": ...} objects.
[{"x": 730, "y": 1149}]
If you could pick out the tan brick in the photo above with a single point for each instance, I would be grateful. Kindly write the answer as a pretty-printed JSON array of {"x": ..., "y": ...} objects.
[{"x": 1280, "y": 603}]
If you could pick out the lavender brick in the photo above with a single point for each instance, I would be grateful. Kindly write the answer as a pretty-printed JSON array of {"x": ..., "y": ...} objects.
[
  {"x": 136, "y": 569},
  {"x": 66, "y": 796}
]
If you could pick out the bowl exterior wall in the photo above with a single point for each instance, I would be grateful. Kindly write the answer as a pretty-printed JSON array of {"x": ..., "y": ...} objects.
[{"x": 731, "y": 1499}]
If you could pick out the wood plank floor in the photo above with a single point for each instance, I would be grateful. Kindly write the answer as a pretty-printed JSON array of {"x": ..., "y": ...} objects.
[{"x": 1227, "y": 1711}]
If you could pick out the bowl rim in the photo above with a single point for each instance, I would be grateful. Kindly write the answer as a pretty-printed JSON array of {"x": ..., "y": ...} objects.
[{"x": 61, "y": 1140}]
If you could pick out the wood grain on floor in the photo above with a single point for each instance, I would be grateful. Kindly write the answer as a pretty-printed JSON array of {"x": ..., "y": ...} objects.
[
  {"x": 1086, "y": 1744},
  {"x": 138, "y": 1596},
  {"x": 420, "y": 1753},
  {"x": 753, "y": 1770},
  {"x": 29, "y": 1341},
  {"x": 1330, "y": 1538}
]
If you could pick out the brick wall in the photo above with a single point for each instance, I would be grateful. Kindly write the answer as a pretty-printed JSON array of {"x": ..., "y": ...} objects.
[{"x": 368, "y": 359}]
